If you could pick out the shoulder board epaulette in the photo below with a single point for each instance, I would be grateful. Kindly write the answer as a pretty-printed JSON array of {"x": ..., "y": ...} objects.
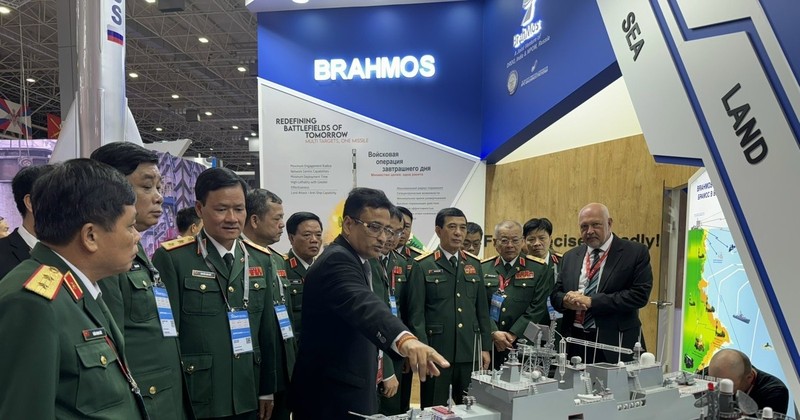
[
  {"x": 557, "y": 254},
  {"x": 256, "y": 246},
  {"x": 417, "y": 250},
  {"x": 286, "y": 257},
  {"x": 271, "y": 249},
  {"x": 487, "y": 259},
  {"x": 472, "y": 255},
  {"x": 420, "y": 257},
  {"x": 177, "y": 243},
  {"x": 45, "y": 281},
  {"x": 536, "y": 259}
]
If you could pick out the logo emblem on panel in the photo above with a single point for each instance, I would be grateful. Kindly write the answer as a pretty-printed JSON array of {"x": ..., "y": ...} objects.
[
  {"x": 530, "y": 28},
  {"x": 513, "y": 82}
]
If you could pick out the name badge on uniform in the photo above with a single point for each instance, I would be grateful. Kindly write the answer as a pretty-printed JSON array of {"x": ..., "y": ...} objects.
[
  {"x": 241, "y": 338},
  {"x": 283, "y": 321},
  {"x": 497, "y": 304},
  {"x": 168, "y": 327},
  {"x": 203, "y": 274},
  {"x": 436, "y": 271},
  {"x": 94, "y": 334},
  {"x": 393, "y": 304}
]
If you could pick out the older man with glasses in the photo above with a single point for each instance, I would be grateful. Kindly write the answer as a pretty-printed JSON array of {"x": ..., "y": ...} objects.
[{"x": 517, "y": 287}]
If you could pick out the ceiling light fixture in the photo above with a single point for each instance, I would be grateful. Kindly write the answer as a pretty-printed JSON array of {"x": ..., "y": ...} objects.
[
  {"x": 4, "y": 10},
  {"x": 175, "y": 96},
  {"x": 246, "y": 138},
  {"x": 241, "y": 69},
  {"x": 203, "y": 40},
  {"x": 133, "y": 75},
  {"x": 211, "y": 148},
  {"x": 253, "y": 133},
  {"x": 208, "y": 113},
  {"x": 235, "y": 127},
  {"x": 248, "y": 163},
  {"x": 30, "y": 80},
  {"x": 159, "y": 129},
  {"x": 300, "y": 1},
  {"x": 150, "y": 1}
]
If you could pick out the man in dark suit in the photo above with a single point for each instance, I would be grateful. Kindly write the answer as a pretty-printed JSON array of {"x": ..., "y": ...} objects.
[
  {"x": 345, "y": 323},
  {"x": 601, "y": 287},
  {"x": 15, "y": 248},
  {"x": 62, "y": 355}
]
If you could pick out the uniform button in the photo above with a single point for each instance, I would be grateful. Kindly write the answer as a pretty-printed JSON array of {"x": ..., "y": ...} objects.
[
  {"x": 504, "y": 309},
  {"x": 502, "y": 323},
  {"x": 202, "y": 287},
  {"x": 152, "y": 390},
  {"x": 190, "y": 369},
  {"x": 231, "y": 289},
  {"x": 236, "y": 356},
  {"x": 144, "y": 283},
  {"x": 256, "y": 286},
  {"x": 459, "y": 309},
  {"x": 458, "y": 294},
  {"x": 103, "y": 360},
  {"x": 523, "y": 284},
  {"x": 430, "y": 331},
  {"x": 460, "y": 325},
  {"x": 436, "y": 281},
  {"x": 294, "y": 292}
]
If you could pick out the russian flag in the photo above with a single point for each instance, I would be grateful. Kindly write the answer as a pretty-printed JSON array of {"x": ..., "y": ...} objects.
[{"x": 115, "y": 37}]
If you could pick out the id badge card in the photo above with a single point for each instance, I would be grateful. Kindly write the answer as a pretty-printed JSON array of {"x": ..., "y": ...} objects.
[
  {"x": 554, "y": 314},
  {"x": 168, "y": 327},
  {"x": 393, "y": 305},
  {"x": 241, "y": 338},
  {"x": 283, "y": 321},
  {"x": 497, "y": 303}
]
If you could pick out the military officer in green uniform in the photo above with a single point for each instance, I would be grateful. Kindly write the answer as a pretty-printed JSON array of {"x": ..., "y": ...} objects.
[
  {"x": 473, "y": 239},
  {"x": 390, "y": 267},
  {"x": 264, "y": 227},
  {"x": 138, "y": 299},
  {"x": 538, "y": 234},
  {"x": 220, "y": 295},
  {"x": 517, "y": 287},
  {"x": 407, "y": 251},
  {"x": 448, "y": 311},
  {"x": 305, "y": 236},
  {"x": 62, "y": 355}
]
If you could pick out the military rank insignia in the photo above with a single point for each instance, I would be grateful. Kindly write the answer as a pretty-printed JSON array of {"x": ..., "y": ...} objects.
[
  {"x": 44, "y": 282},
  {"x": 397, "y": 270},
  {"x": 470, "y": 269},
  {"x": 72, "y": 286},
  {"x": 293, "y": 262},
  {"x": 256, "y": 271}
]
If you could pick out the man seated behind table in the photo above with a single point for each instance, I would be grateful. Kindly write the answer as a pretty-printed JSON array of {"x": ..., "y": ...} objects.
[{"x": 765, "y": 389}]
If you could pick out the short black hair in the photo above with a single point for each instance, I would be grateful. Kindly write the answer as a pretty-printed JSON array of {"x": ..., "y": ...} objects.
[
  {"x": 361, "y": 198},
  {"x": 473, "y": 227},
  {"x": 213, "y": 179},
  {"x": 395, "y": 213},
  {"x": 537, "y": 224},
  {"x": 301, "y": 216},
  {"x": 77, "y": 192},
  {"x": 185, "y": 218},
  {"x": 406, "y": 211},
  {"x": 448, "y": 212},
  {"x": 124, "y": 156},
  {"x": 22, "y": 184},
  {"x": 258, "y": 201}
]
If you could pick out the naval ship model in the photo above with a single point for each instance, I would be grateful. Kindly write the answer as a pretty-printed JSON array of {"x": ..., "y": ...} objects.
[{"x": 636, "y": 390}]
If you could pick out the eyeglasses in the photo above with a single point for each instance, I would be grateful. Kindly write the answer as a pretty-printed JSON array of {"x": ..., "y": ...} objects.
[
  {"x": 375, "y": 229},
  {"x": 506, "y": 241}
]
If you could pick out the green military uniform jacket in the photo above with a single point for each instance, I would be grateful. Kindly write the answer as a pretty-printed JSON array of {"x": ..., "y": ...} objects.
[
  {"x": 55, "y": 358},
  {"x": 221, "y": 383},
  {"x": 155, "y": 360},
  {"x": 296, "y": 273},
  {"x": 281, "y": 295},
  {"x": 527, "y": 285},
  {"x": 409, "y": 253},
  {"x": 447, "y": 306}
]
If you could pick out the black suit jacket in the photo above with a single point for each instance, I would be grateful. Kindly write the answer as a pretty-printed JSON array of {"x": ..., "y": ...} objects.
[
  {"x": 625, "y": 285},
  {"x": 13, "y": 250},
  {"x": 344, "y": 325}
]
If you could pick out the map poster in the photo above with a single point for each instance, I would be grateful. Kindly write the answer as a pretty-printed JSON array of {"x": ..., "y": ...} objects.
[{"x": 719, "y": 307}]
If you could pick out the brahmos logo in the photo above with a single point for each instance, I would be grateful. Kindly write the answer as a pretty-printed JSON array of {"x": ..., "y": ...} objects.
[
  {"x": 529, "y": 28},
  {"x": 407, "y": 67}
]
